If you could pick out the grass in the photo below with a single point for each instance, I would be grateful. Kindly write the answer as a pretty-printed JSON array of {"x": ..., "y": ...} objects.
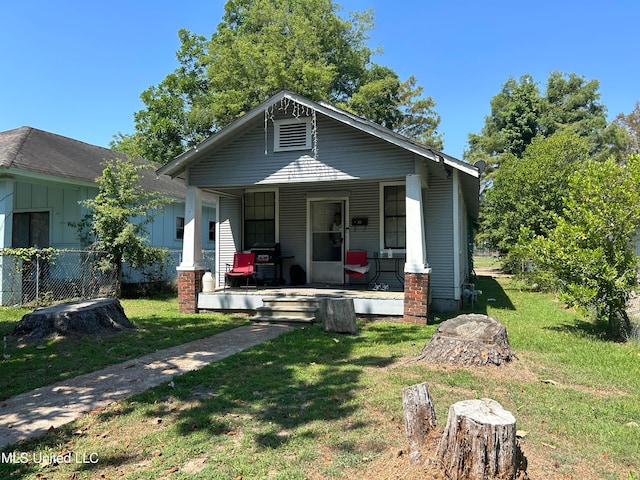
[
  {"x": 314, "y": 405},
  {"x": 158, "y": 326},
  {"x": 486, "y": 261}
]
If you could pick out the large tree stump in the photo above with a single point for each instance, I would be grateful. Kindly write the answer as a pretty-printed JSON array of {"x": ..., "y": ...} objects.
[
  {"x": 479, "y": 442},
  {"x": 100, "y": 315},
  {"x": 419, "y": 418},
  {"x": 469, "y": 339},
  {"x": 340, "y": 316}
]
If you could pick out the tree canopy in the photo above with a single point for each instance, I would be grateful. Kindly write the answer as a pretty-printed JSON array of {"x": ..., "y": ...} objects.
[
  {"x": 528, "y": 192},
  {"x": 520, "y": 112},
  {"x": 631, "y": 125},
  {"x": 261, "y": 47}
]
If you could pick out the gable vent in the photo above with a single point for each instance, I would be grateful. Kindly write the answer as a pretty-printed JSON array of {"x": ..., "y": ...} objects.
[{"x": 292, "y": 134}]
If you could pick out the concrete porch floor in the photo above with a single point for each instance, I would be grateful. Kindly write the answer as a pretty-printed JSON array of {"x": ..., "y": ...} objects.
[{"x": 366, "y": 302}]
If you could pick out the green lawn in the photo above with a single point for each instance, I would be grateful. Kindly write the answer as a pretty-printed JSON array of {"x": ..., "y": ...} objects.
[
  {"x": 486, "y": 261},
  {"x": 315, "y": 405},
  {"x": 158, "y": 325}
]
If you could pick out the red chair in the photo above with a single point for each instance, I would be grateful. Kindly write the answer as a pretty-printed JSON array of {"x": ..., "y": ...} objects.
[
  {"x": 356, "y": 265},
  {"x": 243, "y": 267}
]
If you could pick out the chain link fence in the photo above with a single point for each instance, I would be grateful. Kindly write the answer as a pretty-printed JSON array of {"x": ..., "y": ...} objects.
[{"x": 49, "y": 276}]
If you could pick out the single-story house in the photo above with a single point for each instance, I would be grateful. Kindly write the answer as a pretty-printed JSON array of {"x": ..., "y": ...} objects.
[
  {"x": 44, "y": 177},
  {"x": 285, "y": 170}
]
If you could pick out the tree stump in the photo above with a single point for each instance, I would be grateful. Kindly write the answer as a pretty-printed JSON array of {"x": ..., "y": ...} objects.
[
  {"x": 419, "y": 418},
  {"x": 479, "y": 442},
  {"x": 469, "y": 339},
  {"x": 100, "y": 315},
  {"x": 340, "y": 316}
]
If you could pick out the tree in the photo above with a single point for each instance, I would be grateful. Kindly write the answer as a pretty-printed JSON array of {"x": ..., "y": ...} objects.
[
  {"x": 528, "y": 192},
  {"x": 631, "y": 125},
  {"x": 572, "y": 102},
  {"x": 589, "y": 254},
  {"x": 397, "y": 105},
  {"x": 418, "y": 118},
  {"x": 513, "y": 123},
  {"x": 117, "y": 217},
  {"x": 520, "y": 112},
  {"x": 259, "y": 48}
]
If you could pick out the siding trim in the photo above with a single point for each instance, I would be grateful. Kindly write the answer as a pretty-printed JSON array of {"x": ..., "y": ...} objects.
[{"x": 455, "y": 201}]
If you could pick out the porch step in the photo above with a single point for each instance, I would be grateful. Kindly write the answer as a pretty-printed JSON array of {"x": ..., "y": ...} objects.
[{"x": 287, "y": 310}]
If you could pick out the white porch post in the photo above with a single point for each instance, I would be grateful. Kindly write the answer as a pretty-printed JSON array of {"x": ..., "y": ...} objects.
[
  {"x": 192, "y": 242},
  {"x": 416, "y": 261},
  {"x": 191, "y": 268},
  {"x": 416, "y": 271}
]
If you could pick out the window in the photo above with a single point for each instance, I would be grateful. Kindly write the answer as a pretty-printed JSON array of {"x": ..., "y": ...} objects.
[
  {"x": 292, "y": 134},
  {"x": 30, "y": 229},
  {"x": 180, "y": 228},
  {"x": 395, "y": 216},
  {"x": 259, "y": 218},
  {"x": 212, "y": 231}
]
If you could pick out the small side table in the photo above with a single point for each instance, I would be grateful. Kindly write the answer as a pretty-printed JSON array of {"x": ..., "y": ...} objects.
[{"x": 382, "y": 263}]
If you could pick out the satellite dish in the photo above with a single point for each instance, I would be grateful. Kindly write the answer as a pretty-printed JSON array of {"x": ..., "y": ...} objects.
[{"x": 480, "y": 165}]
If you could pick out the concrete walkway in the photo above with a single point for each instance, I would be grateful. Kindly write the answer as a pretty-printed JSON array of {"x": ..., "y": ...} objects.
[{"x": 33, "y": 413}]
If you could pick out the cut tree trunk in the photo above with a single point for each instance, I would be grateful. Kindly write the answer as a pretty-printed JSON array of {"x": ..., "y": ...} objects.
[
  {"x": 100, "y": 315},
  {"x": 419, "y": 419},
  {"x": 469, "y": 339},
  {"x": 340, "y": 316},
  {"x": 479, "y": 442}
]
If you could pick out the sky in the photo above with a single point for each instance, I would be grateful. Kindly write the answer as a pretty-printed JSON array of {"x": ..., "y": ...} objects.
[{"x": 77, "y": 68}]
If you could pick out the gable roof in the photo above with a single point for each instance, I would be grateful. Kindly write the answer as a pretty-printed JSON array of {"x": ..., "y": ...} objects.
[
  {"x": 36, "y": 153},
  {"x": 470, "y": 178},
  {"x": 179, "y": 163}
]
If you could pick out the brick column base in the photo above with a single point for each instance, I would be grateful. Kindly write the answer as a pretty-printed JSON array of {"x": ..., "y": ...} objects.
[
  {"x": 189, "y": 286},
  {"x": 416, "y": 297}
]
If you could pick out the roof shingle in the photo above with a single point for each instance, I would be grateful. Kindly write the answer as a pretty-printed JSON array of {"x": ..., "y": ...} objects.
[{"x": 29, "y": 149}]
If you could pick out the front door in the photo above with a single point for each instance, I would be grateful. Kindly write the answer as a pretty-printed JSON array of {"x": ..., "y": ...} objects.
[{"x": 327, "y": 241}]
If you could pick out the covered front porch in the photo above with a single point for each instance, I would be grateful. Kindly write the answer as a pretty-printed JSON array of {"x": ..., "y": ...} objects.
[{"x": 404, "y": 269}]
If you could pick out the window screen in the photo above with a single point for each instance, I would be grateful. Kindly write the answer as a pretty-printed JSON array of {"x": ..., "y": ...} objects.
[
  {"x": 259, "y": 218},
  {"x": 395, "y": 216}
]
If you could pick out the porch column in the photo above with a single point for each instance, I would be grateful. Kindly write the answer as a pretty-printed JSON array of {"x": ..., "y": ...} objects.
[
  {"x": 191, "y": 268},
  {"x": 416, "y": 270}
]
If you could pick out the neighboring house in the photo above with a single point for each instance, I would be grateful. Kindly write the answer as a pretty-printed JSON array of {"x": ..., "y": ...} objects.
[
  {"x": 284, "y": 169},
  {"x": 44, "y": 177}
]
